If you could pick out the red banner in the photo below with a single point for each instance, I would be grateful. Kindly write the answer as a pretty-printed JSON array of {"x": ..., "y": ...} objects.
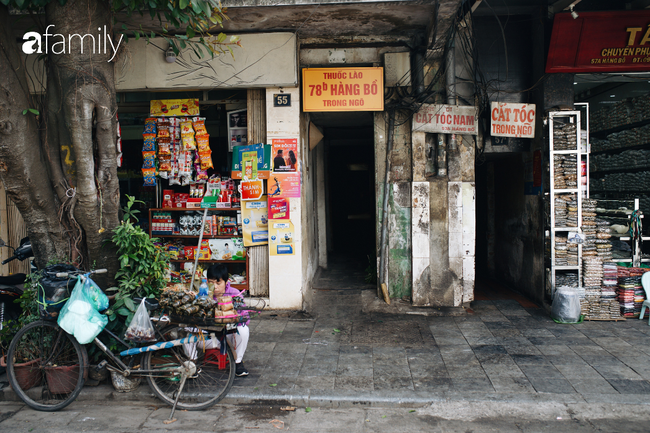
[{"x": 600, "y": 42}]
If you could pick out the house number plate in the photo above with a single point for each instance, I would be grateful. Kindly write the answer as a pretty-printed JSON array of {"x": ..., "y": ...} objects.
[{"x": 282, "y": 100}]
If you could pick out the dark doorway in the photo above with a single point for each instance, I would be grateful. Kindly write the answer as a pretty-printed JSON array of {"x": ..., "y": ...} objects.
[{"x": 349, "y": 159}]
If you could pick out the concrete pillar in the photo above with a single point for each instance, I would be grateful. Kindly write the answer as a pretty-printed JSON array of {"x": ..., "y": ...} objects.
[{"x": 286, "y": 271}]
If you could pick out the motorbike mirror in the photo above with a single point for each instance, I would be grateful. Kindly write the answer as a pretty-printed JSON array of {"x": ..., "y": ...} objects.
[{"x": 2, "y": 243}]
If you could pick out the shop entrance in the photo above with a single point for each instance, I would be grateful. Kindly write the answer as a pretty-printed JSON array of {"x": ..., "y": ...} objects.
[{"x": 348, "y": 177}]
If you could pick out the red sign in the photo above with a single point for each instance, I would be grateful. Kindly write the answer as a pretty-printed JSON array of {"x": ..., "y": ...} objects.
[
  {"x": 513, "y": 120},
  {"x": 600, "y": 42},
  {"x": 252, "y": 189},
  {"x": 279, "y": 208}
]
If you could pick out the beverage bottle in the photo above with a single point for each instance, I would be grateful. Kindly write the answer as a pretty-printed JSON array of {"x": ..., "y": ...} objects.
[{"x": 203, "y": 288}]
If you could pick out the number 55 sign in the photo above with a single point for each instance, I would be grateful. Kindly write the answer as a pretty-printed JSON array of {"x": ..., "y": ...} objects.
[{"x": 282, "y": 100}]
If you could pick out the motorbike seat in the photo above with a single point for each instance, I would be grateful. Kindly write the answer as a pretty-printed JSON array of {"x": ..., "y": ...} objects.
[{"x": 13, "y": 280}]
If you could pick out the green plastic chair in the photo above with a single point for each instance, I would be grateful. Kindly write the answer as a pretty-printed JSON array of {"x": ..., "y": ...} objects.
[{"x": 645, "y": 282}]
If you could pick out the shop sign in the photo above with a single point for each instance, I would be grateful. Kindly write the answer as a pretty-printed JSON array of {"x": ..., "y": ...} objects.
[
  {"x": 285, "y": 154},
  {"x": 343, "y": 89},
  {"x": 512, "y": 120},
  {"x": 281, "y": 240},
  {"x": 174, "y": 107},
  {"x": 252, "y": 189},
  {"x": 612, "y": 41},
  {"x": 446, "y": 119}
]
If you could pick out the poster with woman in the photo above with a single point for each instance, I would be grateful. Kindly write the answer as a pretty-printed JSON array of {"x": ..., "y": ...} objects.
[{"x": 285, "y": 154}]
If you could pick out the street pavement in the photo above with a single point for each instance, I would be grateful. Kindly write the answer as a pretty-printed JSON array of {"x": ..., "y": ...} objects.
[
  {"x": 342, "y": 355},
  {"x": 447, "y": 417}
]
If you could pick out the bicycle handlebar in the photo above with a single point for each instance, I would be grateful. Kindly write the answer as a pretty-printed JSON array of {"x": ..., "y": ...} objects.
[{"x": 67, "y": 274}]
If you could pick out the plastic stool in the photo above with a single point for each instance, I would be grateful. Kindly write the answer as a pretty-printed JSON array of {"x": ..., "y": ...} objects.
[{"x": 214, "y": 356}]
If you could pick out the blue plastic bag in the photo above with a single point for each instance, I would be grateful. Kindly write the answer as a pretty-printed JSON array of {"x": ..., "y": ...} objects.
[{"x": 79, "y": 316}]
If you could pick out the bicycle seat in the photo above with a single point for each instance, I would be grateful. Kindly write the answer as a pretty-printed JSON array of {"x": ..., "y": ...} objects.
[{"x": 150, "y": 304}]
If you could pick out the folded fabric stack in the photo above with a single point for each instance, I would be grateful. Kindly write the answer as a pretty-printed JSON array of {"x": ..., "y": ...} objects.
[
  {"x": 625, "y": 292},
  {"x": 560, "y": 210},
  {"x": 566, "y": 279},
  {"x": 564, "y": 136},
  {"x": 561, "y": 251}
]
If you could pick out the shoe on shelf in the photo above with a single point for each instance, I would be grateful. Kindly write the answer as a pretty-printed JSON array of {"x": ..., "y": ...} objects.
[{"x": 240, "y": 370}]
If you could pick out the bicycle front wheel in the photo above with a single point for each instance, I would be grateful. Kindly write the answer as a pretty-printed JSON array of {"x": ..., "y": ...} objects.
[
  {"x": 45, "y": 366},
  {"x": 211, "y": 375}
]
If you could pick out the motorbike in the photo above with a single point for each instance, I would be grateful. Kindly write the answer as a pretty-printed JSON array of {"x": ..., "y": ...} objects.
[{"x": 11, "y": 286}]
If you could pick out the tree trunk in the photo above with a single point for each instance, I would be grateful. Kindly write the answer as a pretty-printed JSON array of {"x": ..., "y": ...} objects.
[{"x": 76, "y": 205}]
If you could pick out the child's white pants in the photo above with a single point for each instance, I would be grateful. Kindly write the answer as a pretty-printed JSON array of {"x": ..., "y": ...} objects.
[{"x": 238, "y": 342}]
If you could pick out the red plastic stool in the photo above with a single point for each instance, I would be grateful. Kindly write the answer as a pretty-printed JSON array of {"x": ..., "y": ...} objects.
[{"x": 214, "y": 356}]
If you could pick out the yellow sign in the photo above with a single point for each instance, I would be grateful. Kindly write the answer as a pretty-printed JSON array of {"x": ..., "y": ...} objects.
[
  {"x": 174, "y": 107},
  {"x": 343, "y": 89}
]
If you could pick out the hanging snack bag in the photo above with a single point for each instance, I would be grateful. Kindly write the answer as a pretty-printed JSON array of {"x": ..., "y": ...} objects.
[
  {"x": 164, "y": 146},
  {"x": 188, "y": 142},
  {"x": 149, "y": 159},
  {"x": 149, "y": 175},
  {"x": 140, "y": 329},
  {"x": 199, "y": 126},
  {"x": 203, "y": 142},
  {"x": 165, "y": 163},
  {"x": 163, "y": 130},
  {"x": 206, "y": 160},
  {"x": 150, "y": 126},
  {"x": 149, "y": 142},
  {"x": 186, "y": 128}
]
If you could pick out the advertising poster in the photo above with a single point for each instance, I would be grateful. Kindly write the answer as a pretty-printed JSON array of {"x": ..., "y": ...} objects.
[
  {"x": 281, "y": 241},
  {"x": 255, "y": 221},
  {"x": 249, "y": 165},
  {"x": 285, "y": 154},
  {"x": 263, "y": 160},
  {"x": 174, "y": 107},
  {"x": 279, "y": 208},
  {"x": 284, "y": 185}
]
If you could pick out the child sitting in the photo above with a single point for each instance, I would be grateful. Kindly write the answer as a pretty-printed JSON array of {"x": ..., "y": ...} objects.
[{"x": 218, "y": 275}]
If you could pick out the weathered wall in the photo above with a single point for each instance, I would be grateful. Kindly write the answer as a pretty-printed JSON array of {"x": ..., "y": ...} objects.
[{"x": 398, "y": 263}]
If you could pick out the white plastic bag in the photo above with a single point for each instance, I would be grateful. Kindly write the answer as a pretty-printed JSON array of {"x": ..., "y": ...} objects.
[
  {"x": 140, "y": 329},
  {"x": 566, "y": 306},
  {"x": 79, "y": 317}
]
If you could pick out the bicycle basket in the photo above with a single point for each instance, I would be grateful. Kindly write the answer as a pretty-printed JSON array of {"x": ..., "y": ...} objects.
[{"x": 53, "y": 291}]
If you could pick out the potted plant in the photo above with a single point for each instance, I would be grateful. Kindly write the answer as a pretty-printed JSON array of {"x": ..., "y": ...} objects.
[{"x": 26, "y": 365}]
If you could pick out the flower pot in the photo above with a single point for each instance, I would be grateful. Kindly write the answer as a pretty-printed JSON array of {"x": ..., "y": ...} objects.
[
  {"x": 28, "y": 375},
  {"x": 63, "y": 379}
]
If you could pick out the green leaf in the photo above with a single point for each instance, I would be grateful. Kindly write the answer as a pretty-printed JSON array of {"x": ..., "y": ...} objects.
[
  {"x": 24, "y": 112},
  {"x": 129, "y": 304},
  {"x": 273, "y": 384},
  {"x": 412, "y": 410},
  {"x": 190, "y": 32},
  {"x": 33, "y": 111},
  {"x": 123, "y": 312},
  {"x": 183, "y": 4},
  {"x": 308, "y": 409}
]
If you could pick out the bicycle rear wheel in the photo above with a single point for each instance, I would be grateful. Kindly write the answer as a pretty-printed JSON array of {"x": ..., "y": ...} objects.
[
  {"x": 208, "y": 385},
  {"x": 45, "y": 366}
]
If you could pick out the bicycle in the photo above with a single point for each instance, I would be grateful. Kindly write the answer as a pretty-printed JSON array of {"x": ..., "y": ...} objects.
[{"x": 177, "y": 371}]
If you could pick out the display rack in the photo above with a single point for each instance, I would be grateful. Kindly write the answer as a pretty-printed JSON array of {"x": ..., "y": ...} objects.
[
  {"x": 191, "y": 240},
  {"x": 570, "y": 120},
  {"x": 636, "y": 240}
]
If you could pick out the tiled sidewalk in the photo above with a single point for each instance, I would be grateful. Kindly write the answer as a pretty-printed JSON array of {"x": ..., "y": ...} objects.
[{"x": 501, "y": 350}]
